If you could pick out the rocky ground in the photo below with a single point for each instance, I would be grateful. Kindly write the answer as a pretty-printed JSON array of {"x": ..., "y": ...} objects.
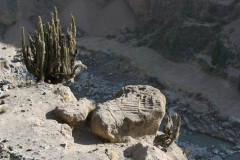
[
  {"x": 106, "y": 74},
  {"x": 31, "y": 130}
]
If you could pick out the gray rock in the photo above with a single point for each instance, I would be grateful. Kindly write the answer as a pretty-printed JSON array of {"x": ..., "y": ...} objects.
[
  {"x": 237, "y": 147},
  {"x": 225, "y": 124},
  {"x": 46, "y": 147},
  {"x": 136, "y": 112},
  {"x": 17, "y": 59},
  {"x": 215, "y": 151},
  {"x": 5, "y": 88},
  {"x": 229, "y": 152},
  {"x": 229, "y": 131}
]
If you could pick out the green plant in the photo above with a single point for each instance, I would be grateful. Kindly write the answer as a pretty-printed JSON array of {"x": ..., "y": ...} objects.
[{"x": 50, "y": 59}]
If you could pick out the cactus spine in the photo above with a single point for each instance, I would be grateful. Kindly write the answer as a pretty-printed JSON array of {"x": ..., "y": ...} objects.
[{"x": 51, "y": 57}]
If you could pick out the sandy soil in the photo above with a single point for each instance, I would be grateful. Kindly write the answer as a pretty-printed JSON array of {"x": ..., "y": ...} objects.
[{"x": 185, "y": 76}]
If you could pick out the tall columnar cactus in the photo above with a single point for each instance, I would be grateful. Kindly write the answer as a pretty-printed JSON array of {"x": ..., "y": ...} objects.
[{"x": 51, "y": 57}]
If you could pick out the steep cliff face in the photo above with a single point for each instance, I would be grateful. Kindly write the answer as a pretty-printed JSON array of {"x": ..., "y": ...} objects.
[
  {"x": 111, "y": 17},
  {"x": 100, "y": 17},
  {"x": 161, "y": 10},
  {"x": 96, "y": 17},
  {"x": 13, "y": 10},
  {"x": 157, "y": 10}
]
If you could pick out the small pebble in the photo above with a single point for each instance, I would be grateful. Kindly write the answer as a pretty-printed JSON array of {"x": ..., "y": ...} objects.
[{"x": 46, "y": 147}]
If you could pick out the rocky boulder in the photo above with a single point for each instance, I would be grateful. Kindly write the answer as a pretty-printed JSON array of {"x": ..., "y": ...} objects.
[
  {"x": 75, "y": 113},
  {"x": 145, "y": 151},
  {"x": 136, "y": 112}
]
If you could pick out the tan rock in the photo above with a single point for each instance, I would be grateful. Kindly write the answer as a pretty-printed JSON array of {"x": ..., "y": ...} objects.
[
  {"x": 145, "y": 151},
  {"x": 65, "y": 93},
  {"x": 136, "y": 112},
  {"x": 75, "y": 113}
]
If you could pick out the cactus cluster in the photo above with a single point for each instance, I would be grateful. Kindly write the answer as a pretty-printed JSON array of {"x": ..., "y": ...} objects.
[
  {"x": 171, "y": 130},
  {"x": 51, "y": 55}
]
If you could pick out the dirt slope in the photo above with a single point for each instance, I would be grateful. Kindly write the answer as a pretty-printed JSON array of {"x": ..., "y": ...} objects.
[
  {"x": 97, "y": 20},
  {"x": 90, "y": 16}
]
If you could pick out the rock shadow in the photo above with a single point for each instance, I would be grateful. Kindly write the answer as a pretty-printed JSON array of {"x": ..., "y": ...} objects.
[
  {"x": 51, "y": 115},
  {"x": 82, "y": 135}
]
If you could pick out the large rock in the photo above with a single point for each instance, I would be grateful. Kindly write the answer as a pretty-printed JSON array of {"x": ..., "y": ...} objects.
[
  {"x": 75, "y": 113},
  {"x": 145, "y": 151},
  {"x": 136, "y": 112}
]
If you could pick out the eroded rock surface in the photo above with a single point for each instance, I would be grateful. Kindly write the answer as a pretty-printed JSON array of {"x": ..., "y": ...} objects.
[
  {"x": 136, "y": 112},
  {"x": 75, "y": 113}
]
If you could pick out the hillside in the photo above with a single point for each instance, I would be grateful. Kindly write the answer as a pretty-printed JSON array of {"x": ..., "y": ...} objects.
[{"x": 188, "y": 49}]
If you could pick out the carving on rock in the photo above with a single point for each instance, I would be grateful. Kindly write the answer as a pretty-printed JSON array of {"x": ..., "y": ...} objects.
[{"x": 136, "y": 112}]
